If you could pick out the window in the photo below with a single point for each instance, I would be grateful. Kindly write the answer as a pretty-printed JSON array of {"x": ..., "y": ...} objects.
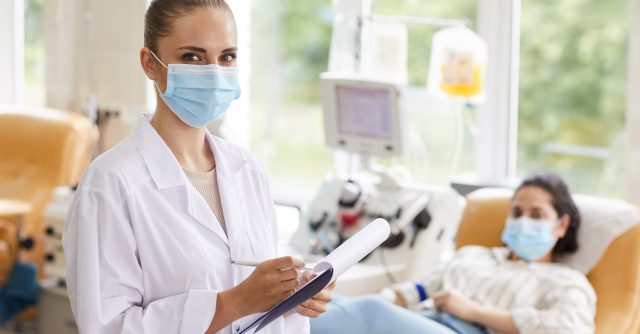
[
  {"x": 34, "y": 57},
  {"x": 290, "y": 48},
  {"x": 573, "y": 68}
]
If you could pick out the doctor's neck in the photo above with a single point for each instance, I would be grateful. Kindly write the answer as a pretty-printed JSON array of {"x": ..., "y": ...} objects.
[{"x": 187, "y": 144}]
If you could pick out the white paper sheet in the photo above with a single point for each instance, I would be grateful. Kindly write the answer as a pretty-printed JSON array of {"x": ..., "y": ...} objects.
[{"x": 355, "y": 248}]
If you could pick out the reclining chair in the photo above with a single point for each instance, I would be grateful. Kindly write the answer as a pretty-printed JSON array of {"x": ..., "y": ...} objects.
[
  {"x": 40, "y": 149},
  {"x": 615, "y": 277}
]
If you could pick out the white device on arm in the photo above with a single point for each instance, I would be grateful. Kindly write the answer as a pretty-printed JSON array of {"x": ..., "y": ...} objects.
[{"x": 363, "y": 115}]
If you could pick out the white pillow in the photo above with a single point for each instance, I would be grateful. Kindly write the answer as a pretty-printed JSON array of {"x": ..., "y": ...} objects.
[{"x": 603, "y": 220}]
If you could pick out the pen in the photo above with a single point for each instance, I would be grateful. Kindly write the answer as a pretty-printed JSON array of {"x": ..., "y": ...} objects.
[{"x": 255, "y": 263}]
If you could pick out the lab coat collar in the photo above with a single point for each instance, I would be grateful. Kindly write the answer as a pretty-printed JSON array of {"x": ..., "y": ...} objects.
[
  {"x": 163, "y": 165},
  {"x": 228, "y": 162}
]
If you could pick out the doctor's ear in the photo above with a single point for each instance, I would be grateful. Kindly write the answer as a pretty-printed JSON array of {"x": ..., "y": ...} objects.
[{"x": 148, "y": 63}]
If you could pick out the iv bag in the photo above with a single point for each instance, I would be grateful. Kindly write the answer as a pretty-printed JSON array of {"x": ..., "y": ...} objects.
[
  {"x": 385, "y": 52},
  {"x": 458, "y": 64}
]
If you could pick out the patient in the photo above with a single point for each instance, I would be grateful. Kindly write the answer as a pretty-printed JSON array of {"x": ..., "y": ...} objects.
[{"x": 517, "y": 289}]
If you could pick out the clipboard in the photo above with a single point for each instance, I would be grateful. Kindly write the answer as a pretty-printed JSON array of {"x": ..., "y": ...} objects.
[
  {"x": 329, "y": 269},
  {"x": 312, "y": 288}
]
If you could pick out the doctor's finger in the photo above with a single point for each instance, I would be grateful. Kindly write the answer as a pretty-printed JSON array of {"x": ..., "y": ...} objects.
[
  {"x": 290, "y": 285},
  {"x": 330, "y": 287},
  {"x": 289, "y": 274},
  {"x": 308, "y": 275},
  {"x": 323, "y": 296},
  {"x": 287, "y": 262},
  {"x": 307, "y": 312},
  {"x": 314, "y": 306}
]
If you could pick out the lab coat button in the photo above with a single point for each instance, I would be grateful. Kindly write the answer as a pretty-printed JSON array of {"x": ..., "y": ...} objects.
[{"x": 237, "y": 328}]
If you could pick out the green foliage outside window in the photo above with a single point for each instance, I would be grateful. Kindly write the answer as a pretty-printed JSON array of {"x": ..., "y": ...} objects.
[{"x": 573, "y": 69}]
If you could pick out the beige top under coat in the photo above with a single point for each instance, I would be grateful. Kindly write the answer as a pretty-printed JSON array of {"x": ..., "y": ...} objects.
[{"x": 206, "y": 183}]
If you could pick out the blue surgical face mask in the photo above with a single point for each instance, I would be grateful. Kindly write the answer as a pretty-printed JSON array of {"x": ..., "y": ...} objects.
[
  {"x": 529, "y": 238},
  {"x": 198, "y": 94}
]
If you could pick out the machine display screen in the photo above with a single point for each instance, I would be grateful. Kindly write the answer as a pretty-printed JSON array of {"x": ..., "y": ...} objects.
[{"x": 364, "y": 111}]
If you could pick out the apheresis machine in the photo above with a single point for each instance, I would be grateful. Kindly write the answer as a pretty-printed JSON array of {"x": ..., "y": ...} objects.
[{"x": 365, "y": 118}]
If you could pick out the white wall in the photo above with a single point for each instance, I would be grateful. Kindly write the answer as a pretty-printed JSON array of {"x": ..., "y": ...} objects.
[
  {"x": 92, "y": 47},
  {"x": 12, "y": 52}
]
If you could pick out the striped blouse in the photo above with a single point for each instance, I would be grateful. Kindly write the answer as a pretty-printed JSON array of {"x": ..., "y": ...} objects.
[{"x": 541, "y": 297}]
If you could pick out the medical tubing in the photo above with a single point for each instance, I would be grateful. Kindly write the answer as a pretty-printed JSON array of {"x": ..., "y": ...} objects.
[
  {"x": 458, "y": 142},
  {"x": 387, "y": 271}
]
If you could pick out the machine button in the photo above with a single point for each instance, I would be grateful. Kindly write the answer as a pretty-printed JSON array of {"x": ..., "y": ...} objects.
[
  {"x": 50, "y": 257},
  {"x": 50, "y": 231},
  {"x": 349, "y": 218}
]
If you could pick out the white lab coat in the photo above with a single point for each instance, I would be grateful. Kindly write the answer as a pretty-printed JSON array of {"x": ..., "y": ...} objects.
[{"x": 146, "y": 254}]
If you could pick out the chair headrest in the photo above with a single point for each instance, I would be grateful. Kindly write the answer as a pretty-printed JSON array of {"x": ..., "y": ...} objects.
[{"x": 603, "y": 220}]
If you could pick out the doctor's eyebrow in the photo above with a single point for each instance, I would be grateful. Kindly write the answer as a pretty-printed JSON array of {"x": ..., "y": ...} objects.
[
  {"x": 232, "y": 49},
  {"x": 201, "y": 50},
  {"x": 192, "y": 48}
]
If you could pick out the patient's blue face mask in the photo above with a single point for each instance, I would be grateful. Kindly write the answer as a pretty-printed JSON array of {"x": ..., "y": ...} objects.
[
  {"x": 198, "y": 94},
  {"x": 529, "y": 238}
]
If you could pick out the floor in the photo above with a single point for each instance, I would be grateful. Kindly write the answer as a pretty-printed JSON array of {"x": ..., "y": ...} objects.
[{"x": 27, "y": 328}]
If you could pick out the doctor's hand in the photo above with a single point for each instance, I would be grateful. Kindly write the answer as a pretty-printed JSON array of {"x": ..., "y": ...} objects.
[
  {"x": 271, "y": 282},
  {"x": 317, "y": 305},
  {"x": 456, "y": 304}
]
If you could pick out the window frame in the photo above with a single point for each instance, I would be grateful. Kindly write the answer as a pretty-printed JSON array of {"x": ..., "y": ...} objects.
[
  {"x": 12, "y": 69},
  {"x": 496, "y": 152},
  {"x": 632, "y": 121}
]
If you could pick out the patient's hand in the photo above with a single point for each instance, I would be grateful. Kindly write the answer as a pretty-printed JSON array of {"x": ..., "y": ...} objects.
[
  {"x": 400, "y": 300},
  {"x": 455, "y": 303},
  {"x": 317, "y": 305}
]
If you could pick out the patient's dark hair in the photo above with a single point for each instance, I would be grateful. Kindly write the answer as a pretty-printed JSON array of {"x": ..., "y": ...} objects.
[
  {"x": 158, "y": 21},
  {"x": 563, "y": 204}
]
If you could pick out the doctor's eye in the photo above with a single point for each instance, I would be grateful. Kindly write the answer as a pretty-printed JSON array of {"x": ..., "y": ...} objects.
[
  {"x": 228, "y": 57},
  {"x": 191, "y": 57}
]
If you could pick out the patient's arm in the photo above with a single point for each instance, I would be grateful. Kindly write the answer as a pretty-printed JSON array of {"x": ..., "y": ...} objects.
[
  {"x": 407, "y": 294},
  {"x": 498, "y": 320},
  {"x": 400, "y": 300},
  {"x": 567, "y": 310},
  {"x": 468, "y": 310}
]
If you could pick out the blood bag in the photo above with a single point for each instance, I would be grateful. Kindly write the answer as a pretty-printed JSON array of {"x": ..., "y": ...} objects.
[{"x": 458, "y": 64}]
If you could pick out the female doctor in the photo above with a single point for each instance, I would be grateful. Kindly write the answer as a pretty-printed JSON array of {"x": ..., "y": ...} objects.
[{"x": 157, "y": 219}]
